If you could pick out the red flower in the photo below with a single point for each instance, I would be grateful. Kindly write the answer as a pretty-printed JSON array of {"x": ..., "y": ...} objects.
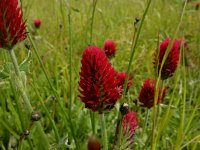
[
  {"x": 37, "y": 23},
  {"x": 129, "y": 126},
  {"x": 121, "y": 76},
  {"x": 147, "y": 93},
  {"x": 98, "y": 85},
  {"x": 12, "y": 28},
  {"x": 94, "y": 143},
  {"x": 110, "y": 48},
  {"x": 130, "y": 123},
  {"x": 197, "y": 5},
  {"x": 172, "y": 60}
]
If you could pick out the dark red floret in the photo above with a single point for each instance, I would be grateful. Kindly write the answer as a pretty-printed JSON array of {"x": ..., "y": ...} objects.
[
  {"x": 98, "y": 85},
  {"x": 146, "y": 96},
  {"x": 130, "y": 123},
  {"x": 172, "y": 60},
  {"x": 110, "y": 48},
  {"x": 121, "y": 76},
  {"x": 94, "y": 143},
  {"x": 12, "y": 28},
  {"x": 37, "y": 23}
]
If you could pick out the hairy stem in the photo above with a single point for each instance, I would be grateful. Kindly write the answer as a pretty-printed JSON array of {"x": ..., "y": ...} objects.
[
  {"x": 22, "y": 91},
  {"x": 103, "y": 132}
]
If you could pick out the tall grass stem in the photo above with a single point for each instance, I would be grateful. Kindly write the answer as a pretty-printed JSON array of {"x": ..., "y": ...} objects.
[
  {"x": 92, "y": 115},
  {"x": 71, "y": 79},
  {"x": 48, "y": 79},
  {"x": 134, "y": 45},
  {"x": 153, "y": 143}
]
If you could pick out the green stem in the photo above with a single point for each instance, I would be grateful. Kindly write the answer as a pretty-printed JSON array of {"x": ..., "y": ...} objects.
[
  {"x": 92, "y": 20},
  {"x": 134, "y": 45},
  {"x": 19, "y": 105},
  {"x": 196, "y": 138},
  {"x": 145, "y": 123},
  {"x": 6, "y": 125},
  {"x": 48, "y": 114},
  {"x": 19, "y": 81},
  {"x": 92, "y": 117},
  {"x": 20, "y": 87},
  {"x": 153, "y": 143},
  {"x": 168, "y": 113},
  {"x": 119, "y": 142},
  {"x": 182, "y": 128},
  {"x": 70, "y": 78},
  {"x": 47, "y": 78},
  {"x": 104, "y": 132}
]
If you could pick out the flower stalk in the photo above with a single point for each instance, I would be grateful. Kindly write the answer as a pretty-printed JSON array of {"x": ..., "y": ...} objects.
[
  {"x": 19, "y": 81},
  {"x": 20, "y": 87},
  {"x": 104, "y": 132}
]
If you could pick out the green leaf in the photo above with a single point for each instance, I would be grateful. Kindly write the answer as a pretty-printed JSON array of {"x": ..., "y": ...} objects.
[
  {"x": 25, "y": 65},
  {"x": 5, "y": 72}
]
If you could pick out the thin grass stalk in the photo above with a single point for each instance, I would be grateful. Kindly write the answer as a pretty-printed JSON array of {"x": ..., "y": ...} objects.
[
  {"x": 48, "y": 114},
  {"x": 153, "y": 146},
  {"x": 156, "y": 88},
  {"x": 27, "y": 9},
  {"x": 191, "y": 141},
  {"x": 133, "y": 48},
  {"x": 2, "y": 146},
  {"x": 145, "y": 123},
  {"x": 181, "y": 128},
  {"x": 6, "y": 125},
  {"x": 48, "y": 79},
  {"x": 156, "y": 92},
  {"x": 119, "y": 136},
  {"x": 19, "y": 105},
  {"x": 15, "y": 114},
  {"x": 104, "y": 132},
  {"x": 70, "y": 78},
  {"x": 194, "y": 146},
  {"x": 62, "y": 13},
  {"x": 191, "y": 118},
  {"x": 92, "y": 115},
  {"x": 134, "y": 45},
  {"x": 92, "y": 20},
  {"x": 167, "y": 114}
]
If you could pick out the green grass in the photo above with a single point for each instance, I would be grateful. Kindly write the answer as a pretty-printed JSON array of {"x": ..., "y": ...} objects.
[{"x": 55, "y": 94}]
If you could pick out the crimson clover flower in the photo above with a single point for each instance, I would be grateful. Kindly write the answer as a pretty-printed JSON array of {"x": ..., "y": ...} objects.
[
  {"x": 129, "y": 125},
  {"x": 172, "y": 60},
  {"x": 121, "y": 76},
  {"x": 94, "y": 143},
  {"x": 110, "y": 48},
  {"x": 37, "y": 23},
  {"x": 98, "y": 84},
  {"x": 12, "y": 28},
  {"x": 147, "y": 93}
]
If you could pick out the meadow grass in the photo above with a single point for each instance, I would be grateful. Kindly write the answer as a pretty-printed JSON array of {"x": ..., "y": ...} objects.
[{"x": 52, "y": 73}]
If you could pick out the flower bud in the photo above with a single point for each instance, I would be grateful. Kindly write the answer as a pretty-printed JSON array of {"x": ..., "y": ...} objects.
[
  {"x": 124, "y": 109},
  {"x": 94, "y": 143},
  {"x": 35, "y": 116},
  {"x": 110, "y": 48},
  {"x": 26, "y": 132},
  {"x": 37, "y": 23}
]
